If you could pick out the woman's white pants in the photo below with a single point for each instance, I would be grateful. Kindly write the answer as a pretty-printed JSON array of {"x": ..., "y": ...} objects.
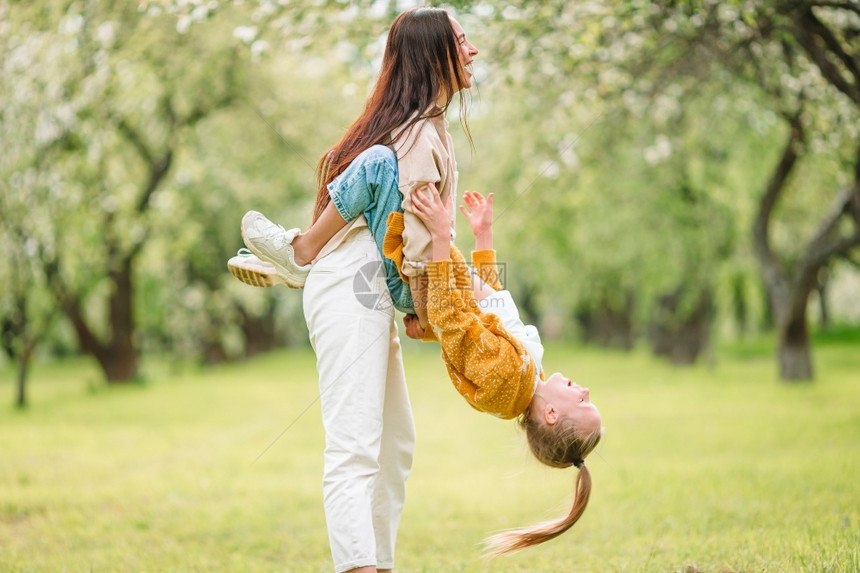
[{"x": 367, "y": 418}]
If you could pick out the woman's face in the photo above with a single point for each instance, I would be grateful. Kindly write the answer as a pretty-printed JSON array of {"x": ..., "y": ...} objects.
[{"x": 466, "y": 53}]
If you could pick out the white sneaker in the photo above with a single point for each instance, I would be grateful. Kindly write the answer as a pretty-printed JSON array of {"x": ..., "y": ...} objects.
[
  {"x": 273, "y": 244},
  {"x": 249, "y": 269}
]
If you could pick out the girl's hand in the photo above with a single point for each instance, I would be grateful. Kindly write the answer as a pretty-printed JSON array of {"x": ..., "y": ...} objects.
[
  {"x": 435, "y": 215},
  {"x": 413, "y": 327},
  {"x": 478, "y": 211}
]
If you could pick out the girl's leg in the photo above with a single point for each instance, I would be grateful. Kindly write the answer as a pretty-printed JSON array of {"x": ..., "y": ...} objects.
[{"x": 368, "y": 186}]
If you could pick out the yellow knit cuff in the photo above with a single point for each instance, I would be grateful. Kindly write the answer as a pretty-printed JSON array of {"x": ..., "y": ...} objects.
[
  {"x": 484, "y": 263},
  {"x": 392, "y": 243},
  {"x": 484, "y": 257}
]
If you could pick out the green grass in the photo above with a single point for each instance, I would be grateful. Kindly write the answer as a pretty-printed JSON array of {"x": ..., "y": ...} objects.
[{"x": 717, "y": 468}]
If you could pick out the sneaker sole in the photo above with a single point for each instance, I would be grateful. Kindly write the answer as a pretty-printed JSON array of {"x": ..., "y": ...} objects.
[
  {"x": 291, "y": 277},
  {"x": 254, "y": 277}
]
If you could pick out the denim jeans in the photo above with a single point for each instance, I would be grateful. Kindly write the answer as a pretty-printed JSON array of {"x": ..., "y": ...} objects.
[{"x": 369, "y": 187}]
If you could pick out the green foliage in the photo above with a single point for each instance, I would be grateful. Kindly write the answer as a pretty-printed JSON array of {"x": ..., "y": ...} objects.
[
  {"x": 677, "y": 111},
  {"x": 131, "y": 140},
  {"x": 627, "y": 144},
  {"x": 712, "y": 468}
]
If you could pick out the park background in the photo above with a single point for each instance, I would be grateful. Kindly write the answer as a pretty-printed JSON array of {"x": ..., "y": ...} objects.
[{"x": 677, "y": 208}]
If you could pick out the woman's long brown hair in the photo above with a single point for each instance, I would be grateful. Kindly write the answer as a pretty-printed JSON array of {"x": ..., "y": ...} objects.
[{"x": 420, "y": 63}]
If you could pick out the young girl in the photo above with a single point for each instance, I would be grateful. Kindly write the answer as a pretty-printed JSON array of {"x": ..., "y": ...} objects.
[{"x": 494, "y": 360}]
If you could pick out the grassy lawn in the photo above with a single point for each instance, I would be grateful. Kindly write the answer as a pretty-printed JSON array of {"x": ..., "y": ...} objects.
[{"x": 715, "y": 468}]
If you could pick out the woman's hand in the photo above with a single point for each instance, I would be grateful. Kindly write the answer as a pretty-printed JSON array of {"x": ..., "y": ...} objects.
[{"x": 478, "y": 211}]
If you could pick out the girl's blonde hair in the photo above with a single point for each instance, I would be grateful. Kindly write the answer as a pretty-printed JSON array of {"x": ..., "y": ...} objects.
[{"x": 559, "y": 445}]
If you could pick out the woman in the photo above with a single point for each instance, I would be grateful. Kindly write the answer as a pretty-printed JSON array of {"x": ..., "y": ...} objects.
[
  {"x": 365, "y": 406},
  {"x": 427, "y": 60}
]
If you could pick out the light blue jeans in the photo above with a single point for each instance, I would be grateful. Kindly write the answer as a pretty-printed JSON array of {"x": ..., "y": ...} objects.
[{"x": 369, "y": 187}]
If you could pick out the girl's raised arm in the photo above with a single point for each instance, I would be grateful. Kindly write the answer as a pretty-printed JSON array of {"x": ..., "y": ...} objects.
[{"x": 479, "y": 212}]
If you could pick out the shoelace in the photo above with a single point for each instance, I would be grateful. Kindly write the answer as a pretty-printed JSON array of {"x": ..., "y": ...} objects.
[
  {"x": 244, "y": 252},
  {"x": 277, "y": 236}
]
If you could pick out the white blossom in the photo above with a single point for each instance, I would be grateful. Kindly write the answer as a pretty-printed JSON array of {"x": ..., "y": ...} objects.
[
  {"x": 549, "y": 169},
  {"x": 246, "y": 34},
  {"x": 106, "y": 34},
  {"x": 660, "y": 151},
  {"x": 71, "y": 24},
  {"x": 183, "y": 23},
  {"x": 258, "y": 48}
]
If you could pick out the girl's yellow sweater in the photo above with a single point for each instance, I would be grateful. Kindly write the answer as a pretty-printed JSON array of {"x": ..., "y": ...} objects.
[{"x": 488, "y": 366}]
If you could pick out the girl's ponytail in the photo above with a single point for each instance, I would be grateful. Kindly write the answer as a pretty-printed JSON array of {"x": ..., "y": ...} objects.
[
  {"x": 517, "y": 539},
  {"x": 560, "y": 446}
]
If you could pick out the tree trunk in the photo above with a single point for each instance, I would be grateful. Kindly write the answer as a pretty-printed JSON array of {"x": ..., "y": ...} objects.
[
  {"x": 795, "y": 358},
  {"x": 823, "y": 306},
  {"x": 213, "y": 353},
  {"x": 602, "y": 324},
  {"x": 19, "y": 344},
  {"x": 118, "y": 357},
  {"x": 681, "y": 337},
  {"x": 120, "y": 364},
  {"x": 740, "y": 310},
  {"x": 786, "y": 302},
  {"x": 23, "y": 371},
  {"x": 259, "y": 331}
]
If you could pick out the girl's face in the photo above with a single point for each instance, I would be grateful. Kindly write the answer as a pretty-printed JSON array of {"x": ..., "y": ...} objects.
[
  {"x": 570, "y": 400},
  {"x": 466, "y": 53}
]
